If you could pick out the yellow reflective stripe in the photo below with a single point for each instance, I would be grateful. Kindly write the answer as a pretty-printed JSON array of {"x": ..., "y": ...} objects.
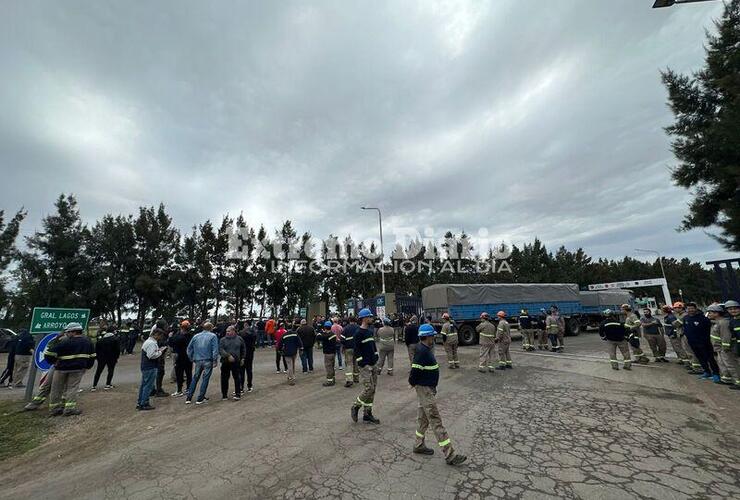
[
  {"x": 715, "y": 337},
  {"x": 419, "y": 434},
  {"x": 359, "y": 359},
  {"x": 290, "y": 335},
  {"x": 361, "y": 402},
  {"x": 726, "y": 344},
  {"x": 77, "y": 356},
  {"x": 487, "y": 335},
  {"x": 444, "y": 443},
  {"x": 422, "y": 367},
  {"x": 612, "y": 324},
  {"x": 368, "y": 340}
]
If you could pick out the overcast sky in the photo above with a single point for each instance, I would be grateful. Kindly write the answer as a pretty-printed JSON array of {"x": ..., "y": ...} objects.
[{"x": 525, "y": 117}]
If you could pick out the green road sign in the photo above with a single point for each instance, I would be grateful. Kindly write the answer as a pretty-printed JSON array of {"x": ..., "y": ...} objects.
[{"x": 54, "y": 319}]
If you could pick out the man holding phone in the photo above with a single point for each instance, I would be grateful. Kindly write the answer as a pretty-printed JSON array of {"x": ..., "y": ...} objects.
[{"x": 150, "y": 354}]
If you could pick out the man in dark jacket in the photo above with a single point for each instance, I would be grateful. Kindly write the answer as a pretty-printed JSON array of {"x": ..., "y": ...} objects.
[
  {"x": 23, "y": 356},
  {"x": 329, "y": 348},
  {"x": 159, "y": 391},
  {"x": 615, "y": 334},
  {"x": 71, "y": 357},
  {"x": 696, "y": 328},
  {"x": 411, "y": 337},
  {"x": 250, "y": 339},
  {"x": 307, "y": 335},
  {"x": 424, "y": 377},
  {"x": 366, "y": 354},
  {"x": 350, "y": 362},
  {"x": 290, "y": 345},
  {"x": 178, "y": 342},
  {"x": 232, "y": 351},
  {"x": 107, "y": 352}
]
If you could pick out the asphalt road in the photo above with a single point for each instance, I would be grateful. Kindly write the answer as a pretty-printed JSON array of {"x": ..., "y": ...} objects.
[{"x": 556, "y": 426}]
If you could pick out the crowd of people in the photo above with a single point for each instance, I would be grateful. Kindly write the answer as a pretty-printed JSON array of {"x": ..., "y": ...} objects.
[{"x": 706, "y": 342}]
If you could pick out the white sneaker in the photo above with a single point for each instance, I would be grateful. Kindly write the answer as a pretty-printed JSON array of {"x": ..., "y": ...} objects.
[
  {"x": 108, "y": 387},
  {"x": 250, "y": 389},
  {"x": 94, "y": 389},
  {"x": 176, "y": 394}
]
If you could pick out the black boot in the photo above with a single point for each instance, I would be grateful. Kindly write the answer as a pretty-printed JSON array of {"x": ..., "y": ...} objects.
[
  {"x": 355, "y": 413},
  {"x": 423, "y": 450},
  {"x": 368, "y": 417}
]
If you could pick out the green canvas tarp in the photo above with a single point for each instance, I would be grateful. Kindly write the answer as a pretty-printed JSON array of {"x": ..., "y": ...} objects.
[{"x": 443, "y": 296}]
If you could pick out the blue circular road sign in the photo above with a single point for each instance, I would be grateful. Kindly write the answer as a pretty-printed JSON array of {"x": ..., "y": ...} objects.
[{"x": 38, "y": 354}]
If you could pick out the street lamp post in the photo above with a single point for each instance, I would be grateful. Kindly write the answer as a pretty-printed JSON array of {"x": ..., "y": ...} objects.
[
  {"x": 382, "y": 254},
  {"x": 660, "y": 261},
  {"x": 670, "y": 3}
]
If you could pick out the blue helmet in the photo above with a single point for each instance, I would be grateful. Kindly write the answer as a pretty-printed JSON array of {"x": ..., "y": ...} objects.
[
  {"x": 426, "y": 330},
  {"x": 364, "y": 313},
  {"x": 327, "y": 324}
]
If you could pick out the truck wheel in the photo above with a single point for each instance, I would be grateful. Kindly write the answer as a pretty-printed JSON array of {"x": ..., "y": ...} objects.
[
  {"x": 466, "y": 335},
  {"x": 573, "y": 327}
]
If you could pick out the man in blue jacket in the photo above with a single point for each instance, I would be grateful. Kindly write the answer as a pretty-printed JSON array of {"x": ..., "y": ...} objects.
[
  {"x": 366, "y": 354},
  {"x": 696, "y": 328},
  {"x": 203, "y": 352},
  {"x": 424, "y": 377}
]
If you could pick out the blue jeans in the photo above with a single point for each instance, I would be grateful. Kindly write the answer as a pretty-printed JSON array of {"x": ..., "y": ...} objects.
[
  {"x": 307, "y": 358},
  {"x": 204, "y": 368},
  {"x": 339, "y": 355},
  {"x": 148, "y": 377}
]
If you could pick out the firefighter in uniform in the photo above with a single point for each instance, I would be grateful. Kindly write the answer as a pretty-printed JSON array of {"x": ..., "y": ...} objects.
[
  {"x": 367, "y": 357},
  {"x": 555, "y": 326},
  {"x": 329, "y": 348},
  {"x": 424, "y": 378},
  {"x": 525, "y": 327},
  {"x": 734, "y": 309},
  {"x": 670, "y": 331},
  {"x": 691, "y": 361},
  {"x": 71, "y": 357},
  {"x": 487, "y": 336},
  {"x": 350, "y": 363},
  {"x": 615, "y": 334},
  {"x": 651, "y": 331},
  {"x": 450, "y": 341},
  {"x": 503, "y": 339},
  {"x": 721, "y": 337},
  {"x": 542, "y": 330},
  {"x": 385, "y": 336},
  {"x": 45, "y": 385},
  {"x": 632, "y": 324}
]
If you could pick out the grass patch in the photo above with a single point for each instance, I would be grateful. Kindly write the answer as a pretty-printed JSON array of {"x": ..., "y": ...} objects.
[{"x": 21, "y": 431}]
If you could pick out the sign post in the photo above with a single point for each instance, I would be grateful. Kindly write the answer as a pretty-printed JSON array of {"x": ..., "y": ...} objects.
[{"x": 50, "y": 320}]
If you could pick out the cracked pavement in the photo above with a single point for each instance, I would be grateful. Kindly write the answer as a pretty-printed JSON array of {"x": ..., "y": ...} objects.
[{"x": 557, "y": 426}]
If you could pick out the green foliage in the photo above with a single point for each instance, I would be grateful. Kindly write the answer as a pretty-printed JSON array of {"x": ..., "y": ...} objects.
[{"x": 706, "y": 133}]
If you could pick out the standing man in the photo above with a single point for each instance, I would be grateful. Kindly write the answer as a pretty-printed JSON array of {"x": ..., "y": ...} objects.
[
  {"x": 250, "y": 339},
  {"x": 159, "y": 391},
  {"x": 338, "y": 331},
  {"x": 107, "y": 352},
  {"x": 721, "y": 336},
  {"x": 386, "y": 345},
  {"x": 411, "y": 336},
  {"x": 555, "y": 326},
  {"x": 270, "y": 328},
  {"x": 503, "y": 339},
  {"x": 203, "y": 351},
  {"x": 71, "y": 357},
  {"x": 133, "y": 336},
  {"x": 179, "y": 342},
  {"x": 697, "y": 329},
  {"x": 525, "y": 326},
  {"x": 151, "y": 351},
  {"x": 348, "y": 343},
  {"x": 632, "y": 324},
  {"x": 670, "y": 331},
  {"x": 290, "y": 345},
  {"x": 329, "y": 348},
  {"x": 307, "y": 334},
  {"x": 615, "y": 334},
  {"x": 692, "y": 362},
  {"x": 733, "y": 308},
  {"x": 487, "y": 337},
  {"x": 23, "y": 353},
  {"x": 450, "y": 341},
  {"x": 233, "y": 351},
  {"x": 424, "y": 378},
  {"x": 651, "y": 331},
  {"x": 367, "y": 357},
  {"x": 542, "y": 330}
]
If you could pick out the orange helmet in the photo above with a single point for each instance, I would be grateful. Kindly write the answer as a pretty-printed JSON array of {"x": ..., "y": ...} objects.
[
  {"x": 185, "y": 324},
  {"x": 501, "y": 314},
  {"x": 678, "y": 305}
]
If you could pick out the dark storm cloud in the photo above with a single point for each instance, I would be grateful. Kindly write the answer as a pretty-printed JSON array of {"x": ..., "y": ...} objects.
[{"x": 528, "y": 118}]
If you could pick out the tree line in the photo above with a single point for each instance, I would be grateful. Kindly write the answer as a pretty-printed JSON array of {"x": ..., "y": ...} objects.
[{"x": 140, "y": 266}]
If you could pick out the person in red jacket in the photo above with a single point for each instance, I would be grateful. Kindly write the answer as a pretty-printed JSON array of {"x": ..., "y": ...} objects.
[
  {"x": 278, "y": 335},
  {"x": 270, "y": 329}
]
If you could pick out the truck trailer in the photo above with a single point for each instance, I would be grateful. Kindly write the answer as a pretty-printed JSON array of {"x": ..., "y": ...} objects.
[{"x": 465, "y": 303}]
